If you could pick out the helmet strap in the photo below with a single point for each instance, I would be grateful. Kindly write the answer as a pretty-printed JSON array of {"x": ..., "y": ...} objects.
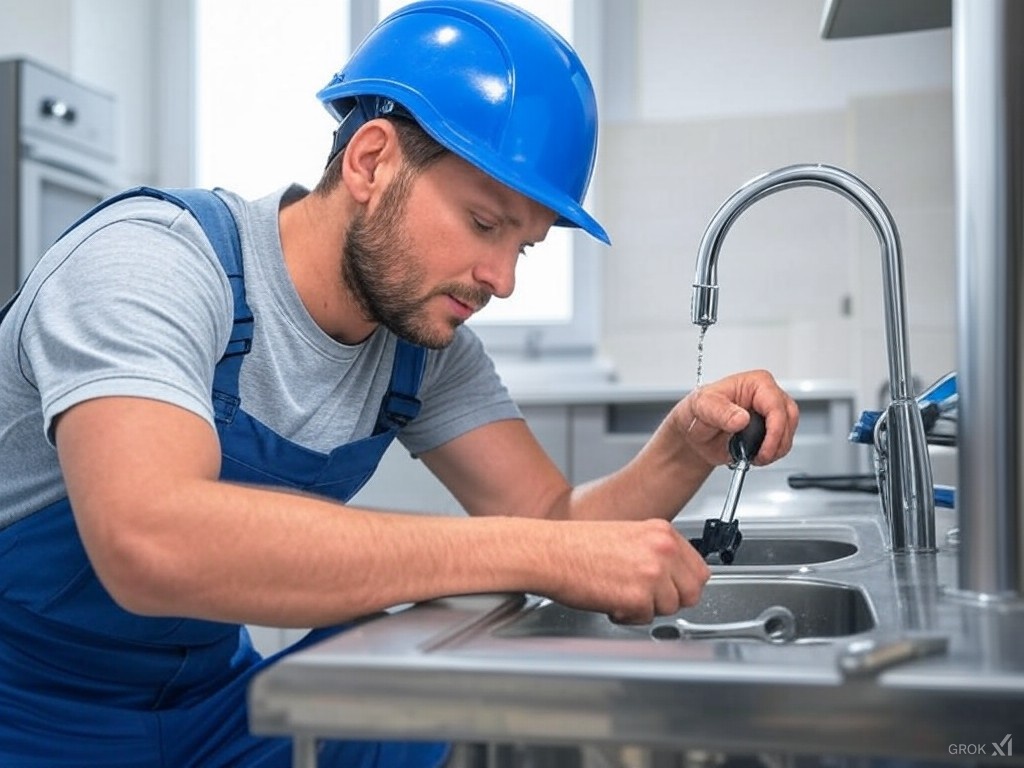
[{"x": 364, "y": 109}]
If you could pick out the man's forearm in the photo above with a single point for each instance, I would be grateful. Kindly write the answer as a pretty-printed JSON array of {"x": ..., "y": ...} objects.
[{"x": 658, "y": 482}]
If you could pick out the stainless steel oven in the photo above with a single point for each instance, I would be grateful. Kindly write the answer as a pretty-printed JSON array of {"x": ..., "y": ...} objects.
[{"x": 57, "y": 159}]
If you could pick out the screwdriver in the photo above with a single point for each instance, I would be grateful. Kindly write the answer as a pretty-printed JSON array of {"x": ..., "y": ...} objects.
[
  {"x": 743, "y": 447},
  {"x": 722, "y": 537}
]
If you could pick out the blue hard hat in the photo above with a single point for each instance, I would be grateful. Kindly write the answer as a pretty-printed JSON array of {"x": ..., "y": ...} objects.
[{"x": 493, "y": 84}]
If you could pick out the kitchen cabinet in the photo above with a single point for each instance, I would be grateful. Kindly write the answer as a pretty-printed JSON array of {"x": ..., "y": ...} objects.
[
  {"x": 404, "y": 483},
  {"x": 592, "y": 432}
]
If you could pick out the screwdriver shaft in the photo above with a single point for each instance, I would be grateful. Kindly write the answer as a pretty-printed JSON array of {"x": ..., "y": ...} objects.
[{"x": 732, "y": 498}]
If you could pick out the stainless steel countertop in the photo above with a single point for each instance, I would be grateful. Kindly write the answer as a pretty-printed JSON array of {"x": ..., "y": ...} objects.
[{"x": 438, "y": 671}]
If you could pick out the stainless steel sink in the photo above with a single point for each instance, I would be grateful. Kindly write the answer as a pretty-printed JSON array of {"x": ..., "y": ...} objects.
[
  {"x": 784, "y": 551},
  {"x": 821, "y": 609},
  {"x": 780, "y": 544}
]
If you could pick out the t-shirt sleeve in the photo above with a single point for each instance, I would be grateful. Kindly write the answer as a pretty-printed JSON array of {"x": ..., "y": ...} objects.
[
  {"x": 139, "y": 307},
  {"x": 461, "y": 391}
]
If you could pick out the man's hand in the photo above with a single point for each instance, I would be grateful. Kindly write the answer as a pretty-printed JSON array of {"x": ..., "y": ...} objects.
[
  {"x": 707, "y": 417},
  {"x": 632, "y": 571}
]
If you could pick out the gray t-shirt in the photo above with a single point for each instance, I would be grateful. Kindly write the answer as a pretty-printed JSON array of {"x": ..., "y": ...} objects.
[{"x": 135, "y": 303}]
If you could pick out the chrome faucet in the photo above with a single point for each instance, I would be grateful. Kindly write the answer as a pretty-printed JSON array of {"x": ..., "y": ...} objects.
[{"x": 901, "y": 453}]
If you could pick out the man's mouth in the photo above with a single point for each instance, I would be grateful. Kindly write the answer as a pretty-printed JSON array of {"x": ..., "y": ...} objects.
[{"x": 461, "y": 309}]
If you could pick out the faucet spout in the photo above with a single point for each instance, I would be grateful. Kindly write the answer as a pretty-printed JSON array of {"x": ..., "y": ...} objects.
[{"x": 902, "y": 463}]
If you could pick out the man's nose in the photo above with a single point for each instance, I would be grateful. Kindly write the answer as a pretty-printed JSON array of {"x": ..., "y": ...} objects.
[{"x": 498, "y": 273}]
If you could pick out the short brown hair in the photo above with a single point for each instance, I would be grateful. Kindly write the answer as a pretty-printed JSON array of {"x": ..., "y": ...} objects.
[{"x": 419, "y": 150}]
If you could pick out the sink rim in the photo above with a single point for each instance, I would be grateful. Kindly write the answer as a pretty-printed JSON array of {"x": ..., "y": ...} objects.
[{"x": 633, "y": 633}]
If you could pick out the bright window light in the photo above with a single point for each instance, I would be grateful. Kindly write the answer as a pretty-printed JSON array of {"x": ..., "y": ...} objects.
[{"x": 259, "y": 64}]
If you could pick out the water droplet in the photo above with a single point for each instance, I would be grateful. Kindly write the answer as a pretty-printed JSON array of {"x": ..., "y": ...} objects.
[{"x": 700, "y": 356}]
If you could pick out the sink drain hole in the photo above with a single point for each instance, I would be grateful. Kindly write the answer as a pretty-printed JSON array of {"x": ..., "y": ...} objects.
[
  {"x": 666, "y": 632},
  {"x": 776, "y": 627}
]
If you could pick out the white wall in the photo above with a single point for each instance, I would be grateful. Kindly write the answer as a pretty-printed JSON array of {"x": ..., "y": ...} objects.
[
  {"x": 40, "y": 29},
  {"x": 725, "y": 91},
  {"x": 704, "y": 59}
]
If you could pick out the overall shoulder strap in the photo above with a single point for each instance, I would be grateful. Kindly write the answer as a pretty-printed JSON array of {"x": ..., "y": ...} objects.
[
  {"x": 220, "y": 227},
  {"x": 400, "y": 404}
]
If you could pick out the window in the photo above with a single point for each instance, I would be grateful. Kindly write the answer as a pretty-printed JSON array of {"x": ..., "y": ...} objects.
[
  {"x": 259, "y": 64},
  {"x": 259, "y": 126}
]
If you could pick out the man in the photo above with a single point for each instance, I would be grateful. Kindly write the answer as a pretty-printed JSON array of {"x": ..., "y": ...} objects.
[{"x": 183, "y": 421}]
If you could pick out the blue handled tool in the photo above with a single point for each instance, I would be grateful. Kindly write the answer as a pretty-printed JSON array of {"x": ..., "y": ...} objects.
[{"x": 940, "y": 398}]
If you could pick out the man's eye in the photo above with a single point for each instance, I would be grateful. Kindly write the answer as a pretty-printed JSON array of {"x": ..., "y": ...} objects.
[{"x": 483, "y": 226}]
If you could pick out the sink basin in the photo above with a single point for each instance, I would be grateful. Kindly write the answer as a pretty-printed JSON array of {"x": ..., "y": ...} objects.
[
  {"x": 821, "y": 609},
  {"x": 783, "y": 551},
  {"x": 781, "y": 544}
]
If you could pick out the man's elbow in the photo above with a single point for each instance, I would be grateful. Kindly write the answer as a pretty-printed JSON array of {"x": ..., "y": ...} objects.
[{"x": 136, "y": 569}]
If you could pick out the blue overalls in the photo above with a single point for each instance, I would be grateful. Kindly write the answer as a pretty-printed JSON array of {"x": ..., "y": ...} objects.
[{"x": 85, "y": 683}]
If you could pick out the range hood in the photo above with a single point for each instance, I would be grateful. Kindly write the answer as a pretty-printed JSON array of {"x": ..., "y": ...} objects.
[{"x": 857, "y": 18}]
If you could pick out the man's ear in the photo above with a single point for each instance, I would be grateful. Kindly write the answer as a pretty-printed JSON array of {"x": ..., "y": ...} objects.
[{"x": 370, "y": 160}]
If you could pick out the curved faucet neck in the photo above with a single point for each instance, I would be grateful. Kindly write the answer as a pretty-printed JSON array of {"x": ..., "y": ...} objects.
[
  {"x": 704, "y": 303},
  {"x": 902, "y": 464}
]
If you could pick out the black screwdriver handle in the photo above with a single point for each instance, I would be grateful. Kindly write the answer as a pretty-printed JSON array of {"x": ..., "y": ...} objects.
[{"x": 744, "y": 445}]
